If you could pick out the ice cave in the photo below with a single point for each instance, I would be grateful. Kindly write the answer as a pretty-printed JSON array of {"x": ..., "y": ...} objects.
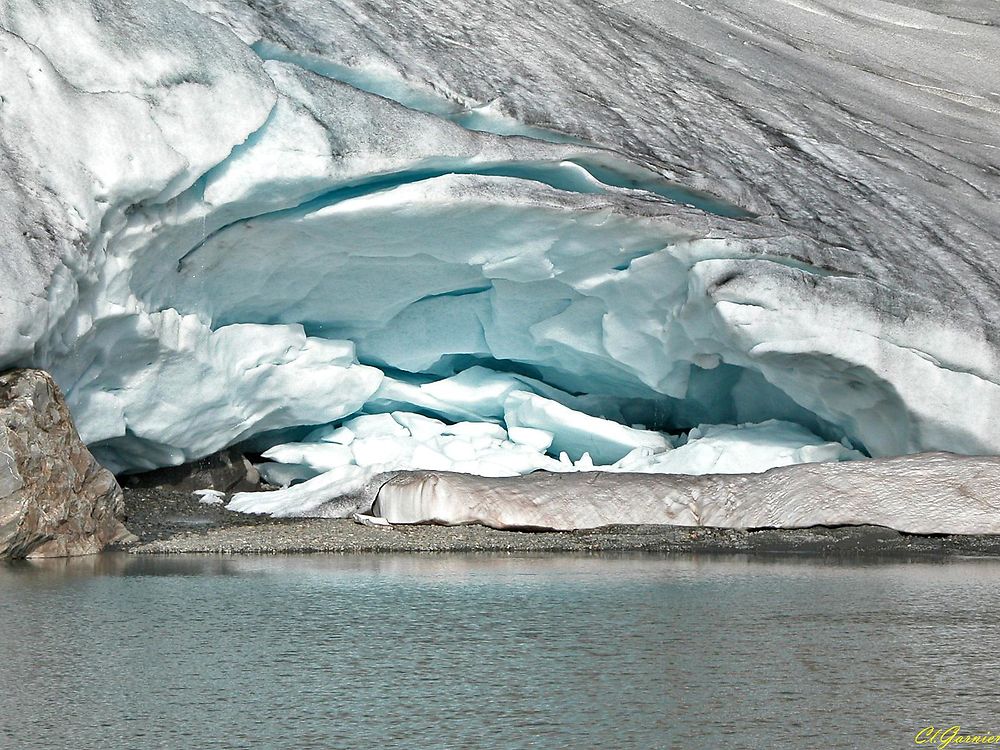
[{"x": 352, "y": 246}]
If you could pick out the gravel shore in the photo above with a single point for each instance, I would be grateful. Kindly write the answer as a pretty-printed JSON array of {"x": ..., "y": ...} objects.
[{"x": 169, "y": 522}]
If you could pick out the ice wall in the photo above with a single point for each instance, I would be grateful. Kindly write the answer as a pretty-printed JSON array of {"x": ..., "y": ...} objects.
[{"x": 607, "y": 234}]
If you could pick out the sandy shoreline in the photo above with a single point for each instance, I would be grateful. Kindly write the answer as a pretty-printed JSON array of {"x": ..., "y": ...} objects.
[{"x": 169, "y": 522}]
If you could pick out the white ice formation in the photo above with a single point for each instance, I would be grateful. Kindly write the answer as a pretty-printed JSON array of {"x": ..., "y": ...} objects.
[
  {"x": 501, "y": 237},
  {"x": 928, "y": 493},
  {"x": 210, "y": 497},
  {"x": 342, "y": 461}
]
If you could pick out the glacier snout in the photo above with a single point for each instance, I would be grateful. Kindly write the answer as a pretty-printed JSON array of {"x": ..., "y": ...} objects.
[{"x": 232, "y": 226}]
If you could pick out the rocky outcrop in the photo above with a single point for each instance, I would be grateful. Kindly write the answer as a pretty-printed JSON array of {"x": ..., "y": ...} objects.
[{"x": 55, "y": 499}]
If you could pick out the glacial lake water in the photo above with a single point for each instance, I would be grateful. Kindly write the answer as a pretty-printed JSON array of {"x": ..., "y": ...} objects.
[{"x": 477, "y": 651}]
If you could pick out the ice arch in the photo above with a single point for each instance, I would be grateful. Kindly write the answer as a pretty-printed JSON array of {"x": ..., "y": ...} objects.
[{"x": 214, "y": 237}]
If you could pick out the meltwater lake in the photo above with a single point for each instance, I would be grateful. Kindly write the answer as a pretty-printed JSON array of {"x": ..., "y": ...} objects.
[{"x": 474, "y": 651}]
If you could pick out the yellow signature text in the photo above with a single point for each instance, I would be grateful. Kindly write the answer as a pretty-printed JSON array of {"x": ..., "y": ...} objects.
[{"x": 948, "y": 736}]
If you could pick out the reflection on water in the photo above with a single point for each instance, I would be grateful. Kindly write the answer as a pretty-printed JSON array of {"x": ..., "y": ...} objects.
[{"x": 462, "y": 651}]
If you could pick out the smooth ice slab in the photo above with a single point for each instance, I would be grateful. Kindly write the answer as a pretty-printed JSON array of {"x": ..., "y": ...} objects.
[{"x": 920, "y": 494}]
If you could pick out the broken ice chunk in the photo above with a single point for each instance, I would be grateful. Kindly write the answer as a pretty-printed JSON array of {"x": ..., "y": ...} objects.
[{"x": 210, "y": 497}]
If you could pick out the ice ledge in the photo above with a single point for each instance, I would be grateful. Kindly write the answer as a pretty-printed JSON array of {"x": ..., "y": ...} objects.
[{"x": 929, "y": 493}]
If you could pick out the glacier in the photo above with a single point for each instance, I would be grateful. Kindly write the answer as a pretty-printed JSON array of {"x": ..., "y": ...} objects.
[{"x": 358, "y": 238}]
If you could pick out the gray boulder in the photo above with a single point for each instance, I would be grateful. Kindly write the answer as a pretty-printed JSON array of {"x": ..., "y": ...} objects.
[{"x": 55, "y": 499}]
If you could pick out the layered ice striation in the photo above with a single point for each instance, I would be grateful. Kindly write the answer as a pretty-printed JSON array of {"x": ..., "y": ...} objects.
[
  {"x": 364, "y": 240},
  {"x": 928, "y": 493}
]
